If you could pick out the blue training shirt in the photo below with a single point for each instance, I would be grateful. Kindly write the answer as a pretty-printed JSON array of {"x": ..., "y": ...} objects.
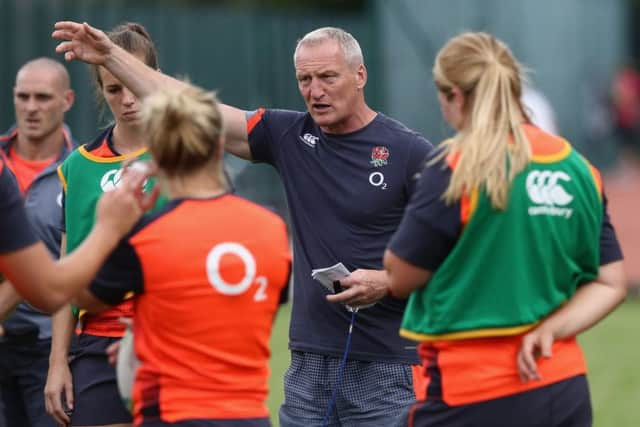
[{"x": 346, "y": 195}]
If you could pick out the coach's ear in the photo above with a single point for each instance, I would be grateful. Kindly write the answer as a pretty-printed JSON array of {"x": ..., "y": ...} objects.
[{"x": 361, "y": 77}]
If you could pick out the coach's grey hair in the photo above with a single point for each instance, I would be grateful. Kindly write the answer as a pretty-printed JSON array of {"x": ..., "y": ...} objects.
[{"x": 348, "y": 43}]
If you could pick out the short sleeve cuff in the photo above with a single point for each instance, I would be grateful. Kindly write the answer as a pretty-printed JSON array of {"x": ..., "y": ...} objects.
[
  {"x": 107, "y": 294},
  {"x": 420, "y": 244}
]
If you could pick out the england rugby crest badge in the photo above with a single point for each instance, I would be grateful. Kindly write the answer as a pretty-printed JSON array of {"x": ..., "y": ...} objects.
[{"x": 379, "y": 156}]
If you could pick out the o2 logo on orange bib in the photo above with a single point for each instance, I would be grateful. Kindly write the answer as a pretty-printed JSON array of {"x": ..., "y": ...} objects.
[{"x": 245, "y": 282}]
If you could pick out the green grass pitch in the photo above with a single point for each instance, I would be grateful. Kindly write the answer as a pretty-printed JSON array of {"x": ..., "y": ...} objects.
[{"x": 612, "y": 349}]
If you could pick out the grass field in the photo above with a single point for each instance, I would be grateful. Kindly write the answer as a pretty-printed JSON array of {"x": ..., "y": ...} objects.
[
  {"x": 279, "y": 361},
  {"x": 612, "y": 349}
]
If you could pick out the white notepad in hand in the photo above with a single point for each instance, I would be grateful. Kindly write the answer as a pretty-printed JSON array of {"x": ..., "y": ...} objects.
[{"x": 328, "y": 275}]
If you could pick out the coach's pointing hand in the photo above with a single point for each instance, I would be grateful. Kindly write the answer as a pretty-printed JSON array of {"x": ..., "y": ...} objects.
[{"x": 82, "y": 42}]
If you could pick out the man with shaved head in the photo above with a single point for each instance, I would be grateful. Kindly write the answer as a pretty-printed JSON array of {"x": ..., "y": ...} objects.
[{"x": 32, "y": 149}]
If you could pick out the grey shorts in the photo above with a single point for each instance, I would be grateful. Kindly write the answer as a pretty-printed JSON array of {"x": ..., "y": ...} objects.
[
  {"x": 371, "y": 394},
  {"x": 244, "y": 422}
]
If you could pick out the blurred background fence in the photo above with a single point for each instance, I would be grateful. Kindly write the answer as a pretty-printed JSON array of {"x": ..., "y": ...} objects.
[{"x": 243, "y": 49}]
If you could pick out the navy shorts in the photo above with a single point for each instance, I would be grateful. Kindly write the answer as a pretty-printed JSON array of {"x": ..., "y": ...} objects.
[
  {"x": 562, "y": 404},
  {"x": 97, "y": 401},
  {"x": 24, "y": 364},
  {"x": 371, "y": 394},
  {"x": 245, "y": 422}
]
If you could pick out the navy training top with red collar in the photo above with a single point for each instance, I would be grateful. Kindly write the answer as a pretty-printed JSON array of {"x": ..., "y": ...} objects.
[
  {"x": 346, "y": 194},
  {"x": 15, "y": 230}
]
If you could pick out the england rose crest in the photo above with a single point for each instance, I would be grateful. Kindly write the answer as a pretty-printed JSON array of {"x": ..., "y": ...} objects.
[{"x": 379, "y": 156}]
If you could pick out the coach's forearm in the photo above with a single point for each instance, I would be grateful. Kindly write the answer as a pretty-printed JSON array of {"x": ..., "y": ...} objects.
[{"x": 138, "y": 77}]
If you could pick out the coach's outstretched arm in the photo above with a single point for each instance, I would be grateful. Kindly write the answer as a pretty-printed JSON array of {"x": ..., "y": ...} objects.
[{"x": 88, "y": 44}]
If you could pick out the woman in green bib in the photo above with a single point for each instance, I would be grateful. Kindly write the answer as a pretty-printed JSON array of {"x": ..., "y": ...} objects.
[
  {"x": 91, "y": 393},
  {"x": 506, "y": 252}
]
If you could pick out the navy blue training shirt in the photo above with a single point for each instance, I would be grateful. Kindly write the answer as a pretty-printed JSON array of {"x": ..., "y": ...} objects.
[{"x": 346, "y": 194}]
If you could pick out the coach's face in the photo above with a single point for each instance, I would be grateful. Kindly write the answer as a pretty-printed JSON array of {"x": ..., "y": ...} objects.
[{"x": 332, "y": 88}]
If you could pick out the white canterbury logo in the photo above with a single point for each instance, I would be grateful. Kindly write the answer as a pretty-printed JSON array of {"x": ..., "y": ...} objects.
[
  {"x": 310, "y": 140},
  {"x": 543, "y": 188}
]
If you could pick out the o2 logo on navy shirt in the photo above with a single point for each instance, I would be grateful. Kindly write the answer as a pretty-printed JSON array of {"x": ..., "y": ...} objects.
[{"x": 377, "y": 180}]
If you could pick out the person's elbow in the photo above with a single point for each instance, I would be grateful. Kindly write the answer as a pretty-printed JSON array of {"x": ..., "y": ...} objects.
[
  {"x": 613, "y": 276},
  {"x": 404, "y": 277},
  {"x": 399, "y": 290},
  {"x": 55, "y": 298},
  {"x": 48, "y": 302},
  {"x": 85, "y": 300}
]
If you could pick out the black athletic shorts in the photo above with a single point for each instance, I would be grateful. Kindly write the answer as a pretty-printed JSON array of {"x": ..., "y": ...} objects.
[
  {"x": 562, "y": 404},
  {"x": 97, "y": 401}
]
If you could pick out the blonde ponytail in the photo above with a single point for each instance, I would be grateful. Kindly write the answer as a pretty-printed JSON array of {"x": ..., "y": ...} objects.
[{"x": 491, "y": 147}]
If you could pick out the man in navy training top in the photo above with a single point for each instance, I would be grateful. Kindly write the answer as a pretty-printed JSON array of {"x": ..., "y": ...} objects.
[
  {"x": 348, "y": 175},
  {"x": 32, "y": 151}
]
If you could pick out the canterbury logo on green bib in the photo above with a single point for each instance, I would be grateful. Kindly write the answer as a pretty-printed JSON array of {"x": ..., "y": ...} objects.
[{"x": 545, "y": 190}]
